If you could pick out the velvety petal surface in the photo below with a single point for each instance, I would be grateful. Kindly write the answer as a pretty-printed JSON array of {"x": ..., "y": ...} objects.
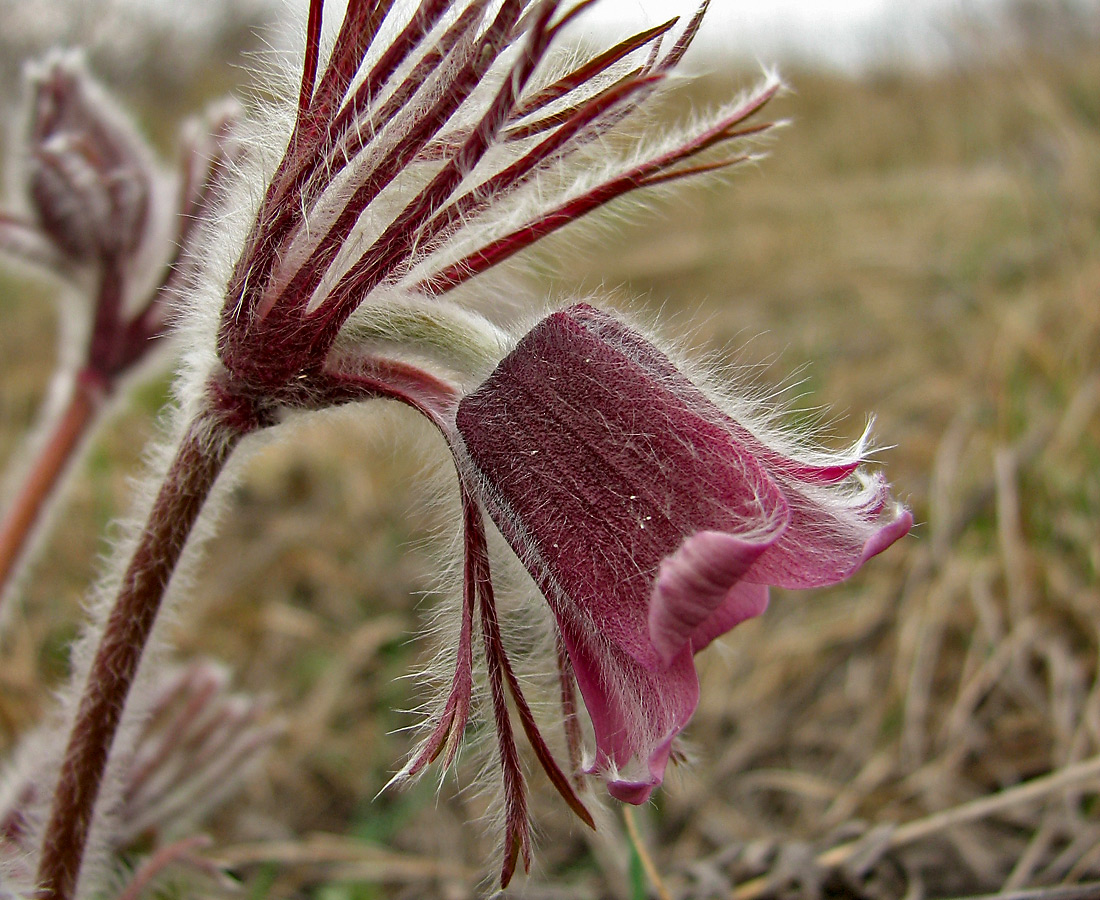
[
  {"x": 831, "y": 533},
  {"x": 838, "y": 518},
  {"x": 743, "y": 601},
  {"x": 658, "y": 366},
  {"x": 607, "y": 470}
]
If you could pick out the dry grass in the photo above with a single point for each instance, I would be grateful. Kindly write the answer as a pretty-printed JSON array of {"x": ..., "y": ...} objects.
[{"x": 931, "y": 247}]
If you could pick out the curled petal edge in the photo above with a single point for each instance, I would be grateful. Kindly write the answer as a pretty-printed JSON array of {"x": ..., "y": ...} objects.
[
  {"x": 893, "y": 531},
  {"x": 699, "y": 579}
]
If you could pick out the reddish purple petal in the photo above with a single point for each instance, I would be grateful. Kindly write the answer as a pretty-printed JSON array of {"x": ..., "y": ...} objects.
[
  {"x": 744, "y": 601},
  {"x": 635, "y": 713},
  {"x": 650, "y": 359},
  {"x": 831, "y": 533},
  {"x": 652, "y": 521},
  {"x": 696, "y": 582},
  {"x": 893, "y": 530},
  {"x": 830, "y": 523}
]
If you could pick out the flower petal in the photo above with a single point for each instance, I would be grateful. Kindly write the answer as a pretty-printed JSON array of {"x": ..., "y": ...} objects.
[
  {"x": 696, "y": 581},
  {"x": 744, "y": 601},
  {"x": 651, "y": 520},
  {"x": 895, "y": 529},
  {"x": 832, "y": 532},
  {"x": 827, "y": 469},
  {"x": 636, "y": 713}
]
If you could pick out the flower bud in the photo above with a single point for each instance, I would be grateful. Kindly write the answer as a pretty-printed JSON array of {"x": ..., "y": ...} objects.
[
  {"x": 88, "y": 174},
  {"x": 195, "y": 747}
]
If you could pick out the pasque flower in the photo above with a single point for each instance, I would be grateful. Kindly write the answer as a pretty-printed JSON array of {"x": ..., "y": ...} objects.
[{"x": 651, "y": 519}]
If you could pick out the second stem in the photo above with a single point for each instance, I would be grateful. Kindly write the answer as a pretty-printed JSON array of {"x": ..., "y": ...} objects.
[{"x": 41, "y": 480}]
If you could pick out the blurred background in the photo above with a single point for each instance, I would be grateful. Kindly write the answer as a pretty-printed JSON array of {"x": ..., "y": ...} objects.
[{"x": 923, "y": 242}]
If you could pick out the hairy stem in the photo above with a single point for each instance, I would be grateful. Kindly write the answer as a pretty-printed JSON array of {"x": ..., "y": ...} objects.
[
  {"x": 200, "y": 458},
  {"x": 65, "y": 437}
]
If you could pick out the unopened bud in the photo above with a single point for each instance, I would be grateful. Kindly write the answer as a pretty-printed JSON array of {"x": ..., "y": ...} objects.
[{"x": 89, "y": 178}]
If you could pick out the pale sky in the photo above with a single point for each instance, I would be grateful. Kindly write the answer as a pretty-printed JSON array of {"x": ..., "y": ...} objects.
[
  {"x": 839, "y": 32},
  {"x": 849, "y": 34}
]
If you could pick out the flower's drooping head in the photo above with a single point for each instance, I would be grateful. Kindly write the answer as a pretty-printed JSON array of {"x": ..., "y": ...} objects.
[{"x": 652, "y": 520}]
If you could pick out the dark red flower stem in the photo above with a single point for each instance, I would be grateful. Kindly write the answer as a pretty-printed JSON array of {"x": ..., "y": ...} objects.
[
  {"x": 570, "y": 718},
  {"x": 584, "y": 74},
  {"x": 422, "y": 22},
  {"x": 201, "y": 457},
  {"x": 403, "y": 231},
  {"x": 230, "y": 415},
  {"x": 662, "y": 168},
  {"x": 312, "y": 57},
  {"x": 39, "y": 483},
  {"x": 113, "y": 346},
  {"x": 411, "y": 225}
]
